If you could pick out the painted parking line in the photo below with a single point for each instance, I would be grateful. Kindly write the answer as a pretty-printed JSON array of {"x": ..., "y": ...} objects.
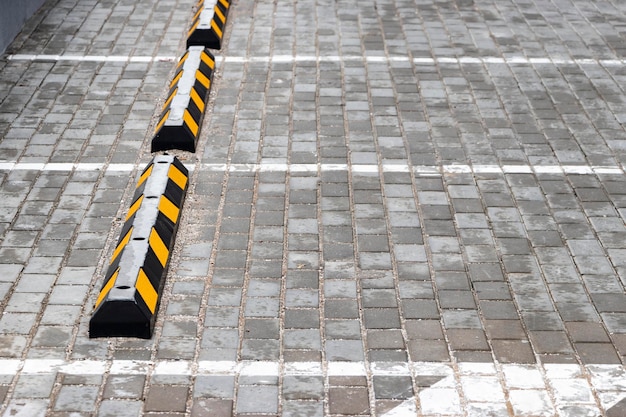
[
  {"x": 58, "y": 166},
  {"x": 519, "y": 60},
  {"x": 89, "y": 58},
  {"x": 418, "y": 170},
  {"x": 248, "y": 368},
  {"x": 515, "y": 60},
  {"x": 444, "y": 387}
]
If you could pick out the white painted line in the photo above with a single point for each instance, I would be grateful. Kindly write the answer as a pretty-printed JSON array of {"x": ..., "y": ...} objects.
[
  {"x": 129, "y": 367},
  {"x": 217, "y": 367},
  {"x": 10, "y": 366},
  {"x": 356, "y": 168},
  {"x": 520, "y": 60},
  {"x": 608, "y": 381},
  {"x": 172, "y": 368},
  {"x": 515, "y": 60},
  {"x": 58, "y": 166},
  {"x": 182, "y": 367},
  {"x": 390, "y": 368},
  {"x": 346, "y": 368},
  {"x": 517, "y": 169},
  {"x": 253, "y": 368},
  {"x": 86, "y": 367},
  {"x": 418, "y": 169},
  {"x": 90, "y": 58},
  {"x": 303, "y": 368},
  {"x": 118, "y": 167},
  {"x": 42, "y": 366}
]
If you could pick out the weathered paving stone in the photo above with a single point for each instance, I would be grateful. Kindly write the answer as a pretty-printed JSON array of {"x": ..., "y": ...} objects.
[{"x": 408, "y": 208}]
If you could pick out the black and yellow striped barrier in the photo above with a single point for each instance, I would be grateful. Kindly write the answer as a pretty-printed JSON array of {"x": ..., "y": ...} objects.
[
  {"x": 129, "y": 298},
  {"x": 208, "y": 24},
  {"x": 183, "y": 111}
]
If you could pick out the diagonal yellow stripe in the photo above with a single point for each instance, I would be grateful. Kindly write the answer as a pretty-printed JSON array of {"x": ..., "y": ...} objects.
[
  {"x": 133, "y": 209},
  {"x": 206, "y": 58},
  {"x": 170, "y": 98},
  {"x": 169, "y": 209},
  {"x": 175, "y": 80},
  {"x": 193, "y": 126},
  {"x": 182, "y": 60},
  {"x": 203, "y": 79},
  {"x": 159, "y": 248},
  {"x": 145, "y": 175},
  {"x": 162, "y": 121},
  {"x": 195, "y": 24},
  {"x": 146, "y": 290},
  {"x": 219, "y": 14},
  {"x": 177, "y": 176},
  {"x": 121, "y": 245},
  {"x": 197, "y": 100},
  {"x": 107, "y": 287},
  {"x": 224, "y": 3},
  {"x": 216, "y": 28}
]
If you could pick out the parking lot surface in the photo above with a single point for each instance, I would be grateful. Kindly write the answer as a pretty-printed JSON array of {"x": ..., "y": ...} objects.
[{"x": 396, "y": 208}]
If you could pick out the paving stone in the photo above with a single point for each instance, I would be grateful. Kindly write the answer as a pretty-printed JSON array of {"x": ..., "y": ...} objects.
[
  {"x": 456, "y": 299},
  {"x": 119, "y": 408},
  {"x": 617, "y": 409},
  {"x": 76, "y": 398},
  {"x": 164, "y": 398},
  {"x": 34, "y": 386},
  {"x": 28, "y": 407},
  {"x": 550, "y": 342},
  {"x": 531, "y": 402},
  {"x": 257, "y": 398},
  {"x": 597, "y": 353},
  {"x": 513, "y": 351},
  {"x": 343, "y": 329},
  {"x": 349, "y": 400},
  {"x": 467, "y": 339},
  {"x": 586, "y": 332},
  {"x": 303, "y": 388},
  {"x": 428, "y": 350},
  {"x": 124, "y": 386},
  {"x": 212, "y": 407},
  {"x": 455, "y": 205},
  {"x": 214, "y": 386}
]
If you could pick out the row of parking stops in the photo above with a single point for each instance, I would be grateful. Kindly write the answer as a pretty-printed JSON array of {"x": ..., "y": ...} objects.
[{"x": 129, "y": 298}]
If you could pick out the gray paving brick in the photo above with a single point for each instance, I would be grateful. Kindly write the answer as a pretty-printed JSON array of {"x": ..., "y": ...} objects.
[
  {"x": 34, "y": 386},
  {"x": 257, "y": 398},
  {"x": 76, "y": 398},
  {"x": 163, "y": 398},
  {"x": 343, "y": 309},
  {"x": 528, "y": 262},
  {"x": 119, "y": 408},
  {"x": 124, "y": 386}
]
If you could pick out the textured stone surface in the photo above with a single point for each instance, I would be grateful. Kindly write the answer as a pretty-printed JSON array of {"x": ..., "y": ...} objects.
[{"x": 395, "y": 206}]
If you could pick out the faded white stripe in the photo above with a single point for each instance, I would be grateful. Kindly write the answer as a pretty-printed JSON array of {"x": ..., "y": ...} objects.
[
  {"x": 58, "y": 166},
  {"x": 518, "y": 60},
  {"x": 515, "y": 60},
  {"x": 250, "y": 368},
  {"x": 89, "y": 58},
  {"x": 421, "y": 170}
]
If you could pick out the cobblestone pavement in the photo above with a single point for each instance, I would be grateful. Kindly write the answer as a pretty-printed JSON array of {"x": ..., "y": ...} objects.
[{"x": 397, "y": 208}]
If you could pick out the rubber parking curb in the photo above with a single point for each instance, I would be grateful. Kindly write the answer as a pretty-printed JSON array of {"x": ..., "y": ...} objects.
[
  {"x": 129, "y": 298},
  {"x": 208, "y": 24},
  {"x": 183, "y": 111}
]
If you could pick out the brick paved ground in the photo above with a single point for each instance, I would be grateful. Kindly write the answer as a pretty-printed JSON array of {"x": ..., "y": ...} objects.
[{"x": 397, "y": 208}]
